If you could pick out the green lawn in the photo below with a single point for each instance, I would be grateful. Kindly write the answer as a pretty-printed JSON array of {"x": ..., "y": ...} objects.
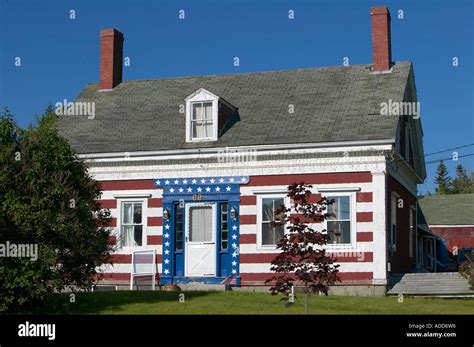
[{"x": 147, "y": 302}]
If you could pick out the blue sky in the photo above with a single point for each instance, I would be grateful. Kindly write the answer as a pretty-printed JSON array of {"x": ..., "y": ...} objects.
[{"x": 59, "y": 56}]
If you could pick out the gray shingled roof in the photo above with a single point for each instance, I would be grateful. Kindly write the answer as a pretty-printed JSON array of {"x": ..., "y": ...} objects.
[{"x": 330, "y": 103}]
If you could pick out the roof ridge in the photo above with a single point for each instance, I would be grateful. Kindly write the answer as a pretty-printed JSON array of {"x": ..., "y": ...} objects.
[{"x": 250, "y": 73}]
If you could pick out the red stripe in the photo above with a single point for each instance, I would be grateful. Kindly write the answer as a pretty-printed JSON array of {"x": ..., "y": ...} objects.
[
  {"x": 154, "y": 239},
  {"x": 365, "y": 236},
  {"x": 155, "y": 202},
  {"x": 248, "y": 238},
  {"x": 346, "y": 277},
  {"x": 364, "y": 216},
  {"x": 112, "y": 239},
  {"x": 314, "y": 198},
  {"x": 155, "y": 221},
  {"x": 333, "y": 177},
  {"x": 116, "y": 277},
  {"x": 261, "y": 258},
  {"x": 113, "y": 222},
  {"x": 364, "y": 197},
  {"x": 248, "y": 219},
  {"x": 248, "y": 200},
  {"x": 108, "y": 203},
  {"x": 127, "y": 185},
  {"x": 257, "y": 258}
]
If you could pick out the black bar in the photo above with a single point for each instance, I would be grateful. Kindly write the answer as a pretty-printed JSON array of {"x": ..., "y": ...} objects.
[{"x": 240, "y": 329}]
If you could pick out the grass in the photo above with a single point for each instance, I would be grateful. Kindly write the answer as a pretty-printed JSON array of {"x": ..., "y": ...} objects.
[{"x": 147, "y": 302}]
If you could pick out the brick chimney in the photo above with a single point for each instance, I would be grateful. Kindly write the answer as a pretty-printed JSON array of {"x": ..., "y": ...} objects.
[
  {"x": 381, "y": 40},
  {"x": 111, "y": 57}
]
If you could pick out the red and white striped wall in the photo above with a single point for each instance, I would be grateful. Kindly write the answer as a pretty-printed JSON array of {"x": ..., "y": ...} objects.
[{"x": 358, "y": 262}]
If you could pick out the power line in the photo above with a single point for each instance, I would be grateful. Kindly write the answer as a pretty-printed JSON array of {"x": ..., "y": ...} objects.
[
  {"x": 450, "y": 158},
  {"x": 450, "y": 149},
  {"x": 442, "y": 151}
]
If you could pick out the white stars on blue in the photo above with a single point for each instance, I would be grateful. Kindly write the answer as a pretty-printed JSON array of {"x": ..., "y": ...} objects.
[
  {"x": 166, "y": 249},
  {"x": 219, "y": 180}
]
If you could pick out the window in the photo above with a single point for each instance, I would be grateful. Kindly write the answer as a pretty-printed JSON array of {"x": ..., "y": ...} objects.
[
  {"x": 200, "y": 224},
  {"x": 132, "y": 224},
  {"x": 201, "y": 116},
  {"x": 224, "y": 226},
  {"x": 270, "y": 233},
  {"x": 393, "y": 223},
  {"x": 339, "y": 225},
  {"x": 179, "y": 229},
  {"x": 412, "y": 231},
  {"x": 202, "y": 121}
]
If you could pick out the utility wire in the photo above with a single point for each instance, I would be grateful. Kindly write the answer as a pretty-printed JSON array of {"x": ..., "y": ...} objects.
[
  {"x": 450, "y": 158},
  {"x": 450, "y": 149}
]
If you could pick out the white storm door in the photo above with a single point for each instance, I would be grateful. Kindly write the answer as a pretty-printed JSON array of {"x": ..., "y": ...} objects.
[{"x": 200, "y": 256}]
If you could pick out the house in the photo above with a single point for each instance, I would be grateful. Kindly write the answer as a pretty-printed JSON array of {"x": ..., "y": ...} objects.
[
  {"x": 446, "y": 224},
  {"x": 194, "y": 167}
]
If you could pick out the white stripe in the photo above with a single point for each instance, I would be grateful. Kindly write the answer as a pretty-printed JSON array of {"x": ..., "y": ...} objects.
[
  {"x": 248, "y": 229},
  {"x": 109, "y": 194},
  {"x": 120, "y": 268},
  {"x": 154, "y": 230},
  {"x": 155, "y": 212},
  {"x": 249, "y": 190},
  {"x": 128, "y": 251},
  {"x": 364, "y": 207},
  {"x": 248, "y": 210},
  {"x": 251, "y": 248}
]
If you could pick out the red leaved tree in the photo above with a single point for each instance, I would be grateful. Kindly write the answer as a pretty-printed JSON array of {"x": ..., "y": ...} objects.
[{"x": 302, "y": 259}]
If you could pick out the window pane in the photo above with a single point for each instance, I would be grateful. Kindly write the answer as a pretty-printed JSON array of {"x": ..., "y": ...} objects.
[
  {"x": 271, "y": 234},
  {"x": 197, "y": 112},
  {"x": 341, "y": 207},
  {"x": 200, "y": 227},
  {"x": 198, "y": 130},
  {"x": 127, "y": 213},
  {"x": 208, "y": 111},
  {"x": 138, "y": 235},
  {"x": 269, "y": 206},
  {"x": 209, "y": 130},
  {"x": 179, "y": 227},
  {"x": 137, "y": 213},
  {"x": 339, "y": 232},
  {"x": 127, "y": 235}
]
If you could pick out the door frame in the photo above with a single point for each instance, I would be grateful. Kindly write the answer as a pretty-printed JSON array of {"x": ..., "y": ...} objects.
[{"x": 187, "y": 243}]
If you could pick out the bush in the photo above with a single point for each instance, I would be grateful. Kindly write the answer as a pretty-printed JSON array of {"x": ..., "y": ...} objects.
[{"x": 48, "y": 201}]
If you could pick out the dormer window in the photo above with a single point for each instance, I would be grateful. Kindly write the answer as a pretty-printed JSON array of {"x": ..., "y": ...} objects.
[
  {"x": 202, "y": 122},
  {"x": 201, "y": 116}
]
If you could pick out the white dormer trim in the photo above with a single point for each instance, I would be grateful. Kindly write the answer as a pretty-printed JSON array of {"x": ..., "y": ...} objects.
[{"x": 202, "y": 95}]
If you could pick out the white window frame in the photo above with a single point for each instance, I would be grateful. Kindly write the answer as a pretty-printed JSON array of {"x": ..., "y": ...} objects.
[
  {"x": 353, "y": 216},
  {"x": 393, "y": 220},
  {"x": 202, "y": 96},
  {"x": 412, "y": 234},
  {"x": 268, "y": 195},
  {"x": 144, "y": 202}
]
